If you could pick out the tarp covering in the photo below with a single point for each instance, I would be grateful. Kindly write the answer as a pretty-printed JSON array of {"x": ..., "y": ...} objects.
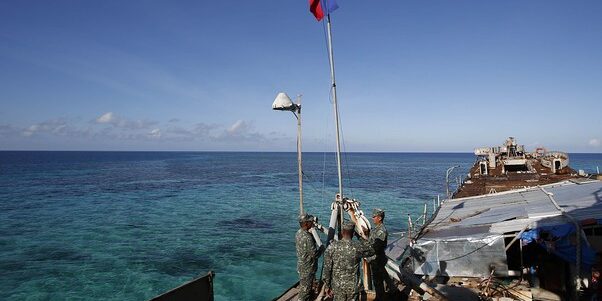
[
  {"x": 557, "y": 240},
  {"x": 511, "y": 211},
  {"x": 462, "y": 256},
  {"x": 465, "y": 238}
]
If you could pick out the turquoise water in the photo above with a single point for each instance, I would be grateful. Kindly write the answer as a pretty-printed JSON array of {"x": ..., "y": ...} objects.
[{"x": 130, "y": 225}]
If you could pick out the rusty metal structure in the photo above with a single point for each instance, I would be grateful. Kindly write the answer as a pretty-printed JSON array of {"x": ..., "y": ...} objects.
[
  {"x": 510, "y": 166},
  {"x": 521, "y": 226}
]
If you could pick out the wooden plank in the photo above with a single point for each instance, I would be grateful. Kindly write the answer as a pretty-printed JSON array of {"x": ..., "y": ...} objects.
[
  {"x": 290, "y": 294},
  {"x": 524, "y": 295}
]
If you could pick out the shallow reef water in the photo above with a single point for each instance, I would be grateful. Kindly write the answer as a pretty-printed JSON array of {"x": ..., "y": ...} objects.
[{"x": 130, "y": 225}]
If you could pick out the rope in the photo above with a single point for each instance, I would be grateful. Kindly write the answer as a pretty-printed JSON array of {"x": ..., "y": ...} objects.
[
  {"x": 324, "y": 173},
  {"x": 308, "y": 178}
]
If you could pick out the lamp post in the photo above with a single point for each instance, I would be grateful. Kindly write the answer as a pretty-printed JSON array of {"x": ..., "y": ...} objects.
[
  {"x": 284, "y": 103},
  {"x": 449, "y": 170}
]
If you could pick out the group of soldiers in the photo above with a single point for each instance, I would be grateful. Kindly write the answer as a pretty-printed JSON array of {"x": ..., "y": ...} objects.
[{"x": 342, "y": 259}]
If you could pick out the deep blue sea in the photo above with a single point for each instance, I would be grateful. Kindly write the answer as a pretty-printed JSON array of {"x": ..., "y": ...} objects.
[{"x": 130, "y": 225}]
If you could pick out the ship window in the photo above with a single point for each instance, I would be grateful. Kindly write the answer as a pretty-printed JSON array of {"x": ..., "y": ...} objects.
[{"x": 514, "y": 168}]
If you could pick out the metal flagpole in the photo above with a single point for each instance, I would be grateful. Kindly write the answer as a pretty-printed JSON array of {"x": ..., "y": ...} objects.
[
  {"x": 336, "y": 110},
  {"x": 366, "y": 267}
]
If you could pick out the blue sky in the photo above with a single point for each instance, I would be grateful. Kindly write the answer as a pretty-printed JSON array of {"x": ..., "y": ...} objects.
[{"x": 201, "y": 75}]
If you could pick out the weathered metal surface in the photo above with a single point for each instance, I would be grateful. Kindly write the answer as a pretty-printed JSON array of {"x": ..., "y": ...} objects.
[
  {"x": 511, "y": 167},
  {"x": 497, "y": 181},
  {"x": 465, "y": 238},
  {"x": 515, "y": 161},
  {"x": 510, "y": 211}
]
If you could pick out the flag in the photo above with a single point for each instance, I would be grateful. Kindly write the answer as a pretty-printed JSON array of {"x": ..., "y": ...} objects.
[
  {"x": 315, "y": 7},
  {"x": 330, "y": 6},
  {"x": 321, "y": 7}
]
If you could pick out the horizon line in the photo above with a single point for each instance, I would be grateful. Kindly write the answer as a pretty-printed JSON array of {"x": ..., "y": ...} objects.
[{"x": 252, "y": 151}]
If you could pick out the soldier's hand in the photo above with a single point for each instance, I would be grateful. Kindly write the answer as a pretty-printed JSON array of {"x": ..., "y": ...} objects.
[{"x": 366, "y": 230}]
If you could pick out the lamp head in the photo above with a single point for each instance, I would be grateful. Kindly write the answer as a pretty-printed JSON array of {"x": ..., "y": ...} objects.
[{"x": 283, "y": 103}]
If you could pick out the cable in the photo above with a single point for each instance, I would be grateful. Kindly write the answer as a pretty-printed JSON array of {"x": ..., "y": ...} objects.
[
  {"x": 324, "y": 172},
  {"x": 312, "y": 186},
  {"x": 346, "y": 161}
]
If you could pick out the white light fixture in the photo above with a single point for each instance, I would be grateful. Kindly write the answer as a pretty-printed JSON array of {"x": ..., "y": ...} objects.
[{"x": 283, "y": 103}]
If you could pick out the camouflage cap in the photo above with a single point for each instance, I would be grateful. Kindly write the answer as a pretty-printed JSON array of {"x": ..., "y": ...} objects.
[
  {"x": 378, "y": 212},
  {"x": 306, "y": 218},
  {"x": 349, "y": 226}
]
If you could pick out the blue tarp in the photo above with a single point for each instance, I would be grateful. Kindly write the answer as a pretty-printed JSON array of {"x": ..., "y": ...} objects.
[{"x": 558, "y": 242}]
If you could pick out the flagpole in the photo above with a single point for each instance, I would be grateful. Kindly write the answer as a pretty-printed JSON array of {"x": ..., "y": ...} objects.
[{"x": 336, "y": 110}]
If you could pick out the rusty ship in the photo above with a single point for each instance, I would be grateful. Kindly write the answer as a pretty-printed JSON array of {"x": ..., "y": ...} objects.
[{"x": 521, "y": 226}]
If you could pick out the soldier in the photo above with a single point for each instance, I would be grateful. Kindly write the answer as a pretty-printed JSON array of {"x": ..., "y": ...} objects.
[
  {"x": 341, "y": 264},
  {"x": 307, "y": 257},
  {"x": 378, "y": 241}
]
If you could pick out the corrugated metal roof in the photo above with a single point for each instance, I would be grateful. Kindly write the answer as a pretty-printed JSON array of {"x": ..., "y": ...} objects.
[{"x": 511, "y": 211}]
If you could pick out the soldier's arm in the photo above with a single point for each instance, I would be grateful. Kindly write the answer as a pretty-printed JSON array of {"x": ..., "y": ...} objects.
[
  {"x": 366, "y": 249},
  {"x": 315, "y": 250},
  {"x": 308, "y": 245},
  {"x": 327, "y": 275},
  {"x": 319, "y": 251},
  {"x": 378, "y": 242}
]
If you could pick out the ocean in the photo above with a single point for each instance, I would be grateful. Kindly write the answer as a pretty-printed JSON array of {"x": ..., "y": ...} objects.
[{"x": 131, "y": 225}]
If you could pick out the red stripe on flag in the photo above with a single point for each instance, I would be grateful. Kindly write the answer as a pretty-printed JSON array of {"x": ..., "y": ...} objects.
[{"x": 315, "y": 7}]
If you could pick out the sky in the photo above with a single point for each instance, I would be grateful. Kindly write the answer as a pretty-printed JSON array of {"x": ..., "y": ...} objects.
[{"x": 412, "y": 76}]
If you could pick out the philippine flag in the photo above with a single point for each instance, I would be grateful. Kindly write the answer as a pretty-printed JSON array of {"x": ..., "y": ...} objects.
[{"x": 319, "y": 7}]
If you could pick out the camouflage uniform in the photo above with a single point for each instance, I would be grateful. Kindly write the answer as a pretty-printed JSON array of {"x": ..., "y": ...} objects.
[
  {"x": 378, "y": 241},
  {"x": 307, "y": 260},
  {"x": 341, "y": 267}
]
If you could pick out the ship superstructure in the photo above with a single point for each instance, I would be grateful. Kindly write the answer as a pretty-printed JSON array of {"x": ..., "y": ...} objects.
[{"x": 511, "y": 166}]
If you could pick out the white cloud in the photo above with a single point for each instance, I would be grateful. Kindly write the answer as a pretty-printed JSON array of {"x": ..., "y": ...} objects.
[
  {"x": 155, "y": 133},
  {"x": 239, "y": 127},
  {"x": 120, "y": 122},
  {"x": 240, "y": 133},
  {"x": 56, "y": 126},
  {"x": 203, "y": 129},
  {"x": 106, "y": 118},
  {"x": 7, "y": 129},
  {"x": 594, "y": 142},
  {"x": 30, "y": 130},
  {"x": 110, "y": 127}
]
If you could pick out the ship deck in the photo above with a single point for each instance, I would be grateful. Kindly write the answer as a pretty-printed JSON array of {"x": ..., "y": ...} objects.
[{"x": 498, "y": 181}]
